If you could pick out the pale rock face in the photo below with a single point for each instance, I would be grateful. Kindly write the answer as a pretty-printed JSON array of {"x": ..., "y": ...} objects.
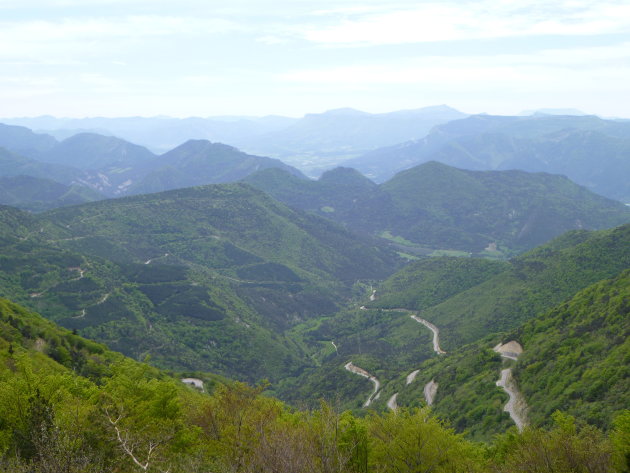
[
  {"x": 511, "y": 349},
  {"x": 430, "y": 390},
  {"x": 195, "y": 382}
]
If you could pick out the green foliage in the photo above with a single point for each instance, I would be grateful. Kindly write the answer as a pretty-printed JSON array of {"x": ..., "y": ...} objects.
[
  {"x": 427, "y": 282},
  {"x": 204, "y": 278},
  {"x": 411, "y": 441},
  {"x": 437, "y": 206},
  {"x": 577, "y": 355},
  {"x": 131, "y": 417},
  {"x": 39, "y": 194},
  {"x": 567, "y": 448},
  {"x": 534, "y": 283}
]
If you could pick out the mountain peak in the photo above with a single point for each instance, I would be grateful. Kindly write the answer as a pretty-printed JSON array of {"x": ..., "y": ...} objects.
[{"x": 345, "y": 176}]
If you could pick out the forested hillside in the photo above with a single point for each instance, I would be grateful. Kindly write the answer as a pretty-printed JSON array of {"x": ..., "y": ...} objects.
[
  {"x": 574, "y": 360},
  {"x": 475, "y": 305},
  {"x": 39, "y": 194},
  {"x": 71, "y": 405},
  {"x": 435, "y": 206},
  {"x": 205, "y": 278}
]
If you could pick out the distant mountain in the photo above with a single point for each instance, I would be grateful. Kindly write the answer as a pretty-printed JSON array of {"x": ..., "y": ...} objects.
[
  {"x": 115, "y": 167},
  {"x": 108, "y": 164},
  {"x": 346, "y": 132},
  {"x": 160, "y": 134},
  {"x": 12, "y": 164},
  {"x": 200, "y": 162},
  {"x": 312, "y": 143},
  {"x": 590, "y": 158},
  {"x": 554, "y": 111},
  {"x": 576, "y": 146},
  {"x": 90, "y": 151},
  {"x": 437, "y": 206},
  {"x": 23, "y": 141},
  {"x": 38, "y": 194}
]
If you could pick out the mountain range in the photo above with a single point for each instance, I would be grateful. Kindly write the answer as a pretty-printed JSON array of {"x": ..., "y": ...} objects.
[
  {"x": 587, "y": 149},
  {"x": 212, "y": 260},
  {"x": 311, "y": 143},
  {"x": 436, "y": 206},
  {"x": 114, "y": 167}
]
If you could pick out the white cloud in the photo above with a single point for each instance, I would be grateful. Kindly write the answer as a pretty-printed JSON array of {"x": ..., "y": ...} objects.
[
  {"x": 42, "y": 40},
  {"x": 272, "y": 39},
  {"x": 131, "y": 26},
  {"x": 573, "y": 68},
  {"x": 446, "y": 21}
]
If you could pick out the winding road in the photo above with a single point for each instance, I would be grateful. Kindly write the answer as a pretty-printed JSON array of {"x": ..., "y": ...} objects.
[
  {"x": 515, "y": 406},
  {"x": 436, "y": 334},
  {"x": 149, "y": 261},
  {"x": 429, "y": 390},
  {"x": 361, "y": 372}
]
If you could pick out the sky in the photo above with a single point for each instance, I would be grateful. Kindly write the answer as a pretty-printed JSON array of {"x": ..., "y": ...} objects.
[{"x": 77, "y": 58}]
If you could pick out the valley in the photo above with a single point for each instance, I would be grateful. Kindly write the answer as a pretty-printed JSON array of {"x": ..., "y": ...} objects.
[
  {"x": 380, "y": 299},
  {"x": 314, "y": 236}
]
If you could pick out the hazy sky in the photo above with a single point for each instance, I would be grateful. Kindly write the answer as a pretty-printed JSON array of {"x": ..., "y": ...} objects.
[{"x": 257, "y": 57}]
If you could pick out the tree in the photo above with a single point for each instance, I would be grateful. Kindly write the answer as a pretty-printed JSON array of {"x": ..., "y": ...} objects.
[
  {"x": 412, "y": 441},
  {"x": 564, "y": 449}
]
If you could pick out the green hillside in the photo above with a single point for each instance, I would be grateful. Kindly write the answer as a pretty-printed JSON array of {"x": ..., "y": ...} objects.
[
  {"x": 187, "y": 223},
  {"x": 452, "y": 208},
  {"x": 12, "y": 164},
  {"x": 179, "y": 316},
  {"x": 427, "y": 282},
  {"x": 333, "y": 195},
  {"x": 205, "y": 278},
  {"x": 436, "y": 206},
  {"x": 575, "y": 360},
  {"x": 535, "y": 282},
  {"x": 69, "y": 404},
  {"x": 60, "y": 396},
  {"x": 577, "y": 356},
  {"x": 200, "y": 162},
  {"x": 39, "y": 194},
  {"x": 472, "y": 302}
]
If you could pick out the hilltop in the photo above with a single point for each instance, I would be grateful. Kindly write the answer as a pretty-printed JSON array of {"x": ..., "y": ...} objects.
[{"x": 436, "y": 206}]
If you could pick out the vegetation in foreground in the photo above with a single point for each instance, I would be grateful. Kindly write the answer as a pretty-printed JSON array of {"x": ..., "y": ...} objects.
[{"x": 67, "y": 404}]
